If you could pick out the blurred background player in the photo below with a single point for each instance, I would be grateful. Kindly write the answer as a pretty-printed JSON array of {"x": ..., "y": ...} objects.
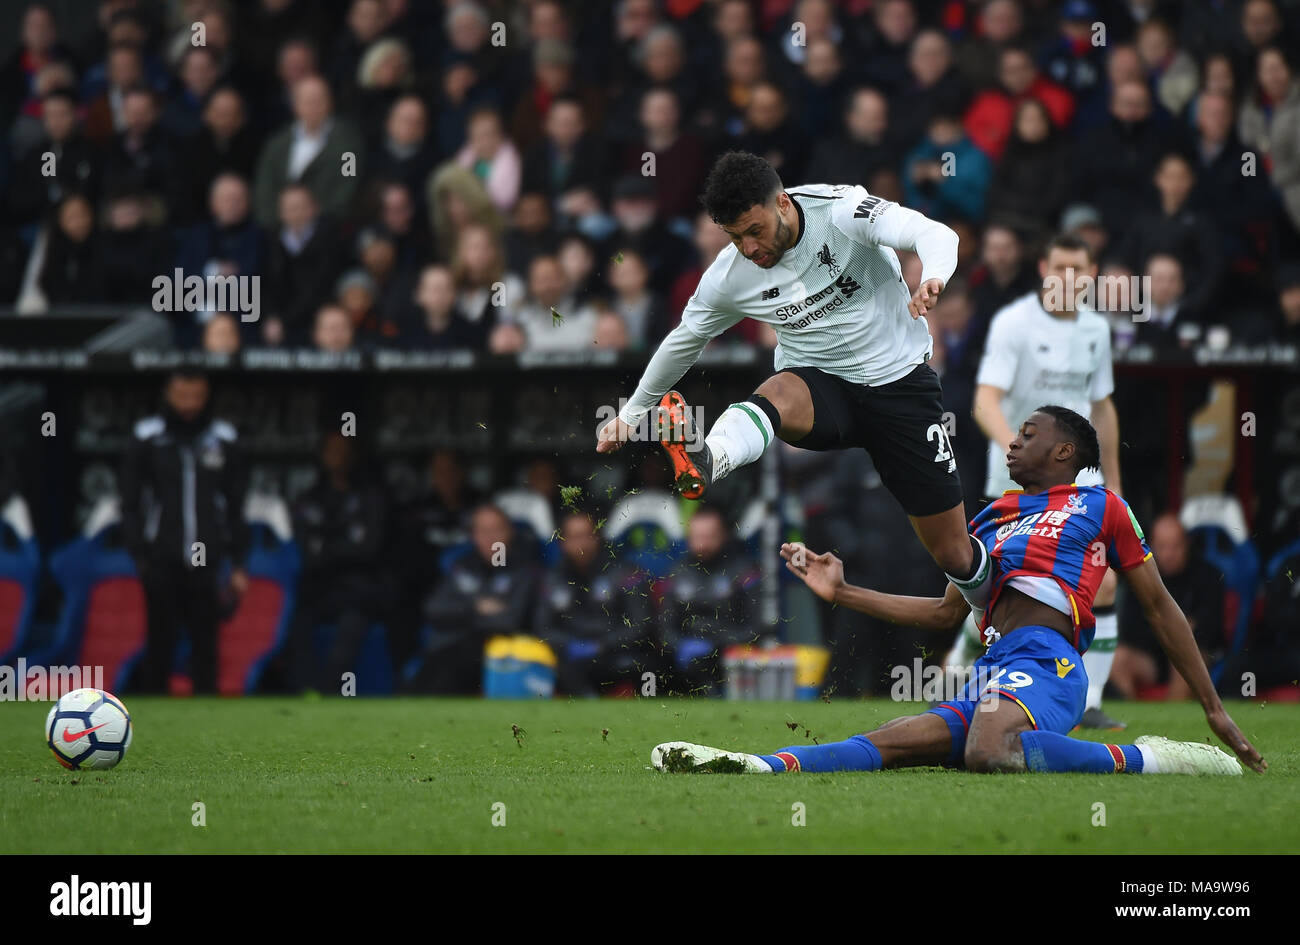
[{"x": 1047, "y": 346}]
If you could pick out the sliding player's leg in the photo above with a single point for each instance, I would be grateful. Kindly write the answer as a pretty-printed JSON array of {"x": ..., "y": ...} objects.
[
  {"x": 1041, "y": 691},
  {"x": 904, "y": 742}
]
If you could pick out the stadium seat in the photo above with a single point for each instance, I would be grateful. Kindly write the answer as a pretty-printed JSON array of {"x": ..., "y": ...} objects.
[
  {"x": 260, "y": 626},
  {"x": 646, "y": 531},
  {"x": 103, "y": 620},
  {"x": 20, "y": 565},
  {"x": 533, "y": 520},
  {"x": 1218, "y": 527}
]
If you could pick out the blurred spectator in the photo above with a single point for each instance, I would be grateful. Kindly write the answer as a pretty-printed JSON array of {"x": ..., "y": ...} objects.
[
  {"x": 142, "y": 157},
  {"x": 486, "y": 291},
  {"x": 311, "y": 152},
  {"x": 130, "y": 249},
  {"x": 493, "y": 158},
  {"x": 531, "y": 231},
  {"x": 611, "y": 330},
  {"x": 946, "y": 176},
  {"x": 333, "y": 331},
  {"x": 886, "y": 54},
  {"x": 594, "y": 612},
  {"x": 1197, "y": 588},
  {"x": 553, "y": 81},
  {"x": 199, "y": 73},
  {"x": 182, "y": 494},
  {"x": 681, "y": 161},
  {"x": 507, "y": 338},
  {"x": 1261, "y": 26},
  {"x": 390, "y": 284},
  {"x": 1270, "y": 125},
  {"x": 398, "y": 217},
  {"x": 340, "y": 526},
  {"x": 1165, "y": 315},
  {"x": 489, "y": 590},
  {"x": 72, "y": 269},
  {"x": 302, "y": 264},
  {"x": 38, "y": 184},
  {"x": 578, "y": 257},
  {"x": 1073, "y": 58},
  {"x": 39, "y": 44},
  {"x": 221, "y": 334},
  {"x": 566, "y": 158},
  {"x": 710, "y": 602},
  {"x": 549, "y": 317},
  {"x": 1177, "y": 230},
  {"x": 820, "y": 88},
  {"x": 406, "y": 151},
  {"x": 106, "y": 113},
  {"x": 1000, "y": 277},
  {"x": 999, "y": 24},
  {"x": 641, "y": 309},
  {"x": 223, "y": 144},
  {"x": 384, "y": 76},
  {"x": 1240, "y": 203},
  {"x": 356, "y": 295},
  {"x": 992, "y": 113},
  {"x": 933, "y": 85},
  {"x": 1029, "y": 185},
  {"x": 438, "y": 323},
  {"x": 458, "y": 202},
  {"x": 1114, "y": 164},
  {"x": 865, "y": 144},
  {"x": 744, "y": 67},
  {"x": 228, "y": 243},
  {"x": 640, "y": 227},
  {"x": 769, "y": 132},
  {"x": 1170, "y": 71}
]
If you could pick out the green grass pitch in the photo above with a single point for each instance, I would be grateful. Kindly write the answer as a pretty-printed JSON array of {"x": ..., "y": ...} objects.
[{"x": 424, "y": 775}]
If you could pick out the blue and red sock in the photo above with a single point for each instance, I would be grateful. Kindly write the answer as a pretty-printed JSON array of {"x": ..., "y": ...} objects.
[
  {"x": 854, "y": 754},
  {"x": 1048, "y": 751}
]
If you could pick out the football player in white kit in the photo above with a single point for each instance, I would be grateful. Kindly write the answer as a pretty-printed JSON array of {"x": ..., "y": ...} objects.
[
  {"x": 817, "y": 263},
  {"x": 1046, "y": 346}
]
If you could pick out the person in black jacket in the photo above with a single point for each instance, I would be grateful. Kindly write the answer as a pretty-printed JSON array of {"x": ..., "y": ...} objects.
[
  {"x": 182, "y": 489},
  {"x": 490, "y": 590},
  {"x": 340, "y": 524},
  {"x": 710, "y": 603},
  {"x": 594, "y": 611}
]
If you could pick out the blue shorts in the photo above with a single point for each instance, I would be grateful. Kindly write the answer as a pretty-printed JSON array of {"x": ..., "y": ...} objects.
[{"x": 1034, "y": 667}]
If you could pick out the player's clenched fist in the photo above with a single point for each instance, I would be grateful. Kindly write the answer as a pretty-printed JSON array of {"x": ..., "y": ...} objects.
[
  {"x": 926, "y": 295},
  {"x": 612, "y": 435}
]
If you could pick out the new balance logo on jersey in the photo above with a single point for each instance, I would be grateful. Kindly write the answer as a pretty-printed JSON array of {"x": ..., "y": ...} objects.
[
  {"x": 826, "y": 258},
  {"x": 769, "y": 294}
]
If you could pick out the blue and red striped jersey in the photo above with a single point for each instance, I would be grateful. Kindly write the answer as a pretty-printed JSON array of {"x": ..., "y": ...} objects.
[{"x": 1069, "y": 533}]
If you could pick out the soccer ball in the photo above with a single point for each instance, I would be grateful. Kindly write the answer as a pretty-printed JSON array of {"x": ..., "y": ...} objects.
[{"x": 88, "y": 728}]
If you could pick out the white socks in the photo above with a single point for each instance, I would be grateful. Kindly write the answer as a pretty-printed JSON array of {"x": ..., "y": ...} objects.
[
  {"x": 1100, "y": 656},
  {"x": 738, "y": 437},
  {"x": 1149, "y": 763}
]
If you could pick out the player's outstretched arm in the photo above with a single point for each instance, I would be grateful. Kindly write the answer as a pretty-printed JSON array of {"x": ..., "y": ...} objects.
[
  {"x": 1175, "y": 636},
  {"x": 824, "y": 575}
]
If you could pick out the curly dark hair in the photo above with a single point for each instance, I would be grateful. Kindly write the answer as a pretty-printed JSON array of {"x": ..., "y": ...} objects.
[
  {"x": 1079, "y": 431},
  {"x": 738, "y": 181}
]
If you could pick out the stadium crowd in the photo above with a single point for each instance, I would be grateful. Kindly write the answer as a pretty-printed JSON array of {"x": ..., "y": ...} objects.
[{"x": 523, "y": 176}]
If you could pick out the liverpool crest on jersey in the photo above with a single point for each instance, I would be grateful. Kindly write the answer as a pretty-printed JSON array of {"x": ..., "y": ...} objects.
[{"x": 826, "y": 258}]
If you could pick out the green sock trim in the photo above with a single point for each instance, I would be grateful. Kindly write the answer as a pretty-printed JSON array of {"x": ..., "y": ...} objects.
[{"x": 757, "y": 422}]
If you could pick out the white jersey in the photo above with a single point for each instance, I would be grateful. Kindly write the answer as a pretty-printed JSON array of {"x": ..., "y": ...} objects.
[
  {"x": 1040, "y": 359},
  {"x": 836, "y": 298}
]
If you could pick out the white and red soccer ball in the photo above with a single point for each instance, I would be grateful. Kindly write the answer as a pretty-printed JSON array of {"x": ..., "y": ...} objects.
[{"x": 88, "y": 729}]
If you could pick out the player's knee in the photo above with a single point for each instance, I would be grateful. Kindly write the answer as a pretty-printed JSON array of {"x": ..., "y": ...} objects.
[{"x": 988, "y": 757}]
